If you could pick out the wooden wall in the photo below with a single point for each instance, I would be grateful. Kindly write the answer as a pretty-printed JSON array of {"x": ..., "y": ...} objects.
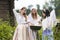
[{"x": 6, "y": 12}]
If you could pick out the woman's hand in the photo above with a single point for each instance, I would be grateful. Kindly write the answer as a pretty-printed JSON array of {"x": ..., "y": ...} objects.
[
  {"x": 29, "y": 23},
  {"x": 39, "y": 23}
]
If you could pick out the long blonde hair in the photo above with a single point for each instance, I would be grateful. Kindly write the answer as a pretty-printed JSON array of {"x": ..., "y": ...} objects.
[{"x": 34, "y": 16}]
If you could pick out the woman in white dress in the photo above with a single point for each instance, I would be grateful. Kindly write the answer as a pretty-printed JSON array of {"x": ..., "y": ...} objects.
[
  {"x": 34, "y": 20},
  {"x": 47, "y": 24},
  {"x": 21, "y": 32}
]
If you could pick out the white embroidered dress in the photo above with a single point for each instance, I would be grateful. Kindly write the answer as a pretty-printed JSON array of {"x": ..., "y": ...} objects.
[
  {"x": 35, "y": 23},
  {"x": 21, "y": 32}
]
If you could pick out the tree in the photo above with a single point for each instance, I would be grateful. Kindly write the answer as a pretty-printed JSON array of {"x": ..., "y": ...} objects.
[
  {"x": 56, "y": 3},
  {"x": 38, "y": 9}
]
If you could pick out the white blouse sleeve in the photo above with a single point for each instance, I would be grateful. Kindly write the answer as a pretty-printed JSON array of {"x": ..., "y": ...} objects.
[
  {"x": 53, "y": 17},
  {"x": 17, "y": 15},
  {"x": 39, "y": 17},
  {"x": 29, "y": 18}
]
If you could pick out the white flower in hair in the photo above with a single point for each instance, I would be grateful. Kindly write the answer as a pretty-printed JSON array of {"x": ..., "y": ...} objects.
[
  {"x": 34, "y": 7},
  {"x": 21, "y": 8}
]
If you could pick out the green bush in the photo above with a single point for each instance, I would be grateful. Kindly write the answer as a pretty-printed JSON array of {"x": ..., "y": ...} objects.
[
  {"x": 57, "y": 32},
  {"x": 6, "y": 31}
]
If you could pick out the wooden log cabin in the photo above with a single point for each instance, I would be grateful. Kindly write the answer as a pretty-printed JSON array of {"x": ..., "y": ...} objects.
[{"x": 6, "y": 12}]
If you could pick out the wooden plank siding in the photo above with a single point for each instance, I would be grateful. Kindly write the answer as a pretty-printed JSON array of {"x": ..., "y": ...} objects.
[{"x": 6, "y": 12}]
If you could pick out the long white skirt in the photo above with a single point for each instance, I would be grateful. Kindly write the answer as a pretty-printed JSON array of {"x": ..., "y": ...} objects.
[{"x": 23, "y": 32}]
